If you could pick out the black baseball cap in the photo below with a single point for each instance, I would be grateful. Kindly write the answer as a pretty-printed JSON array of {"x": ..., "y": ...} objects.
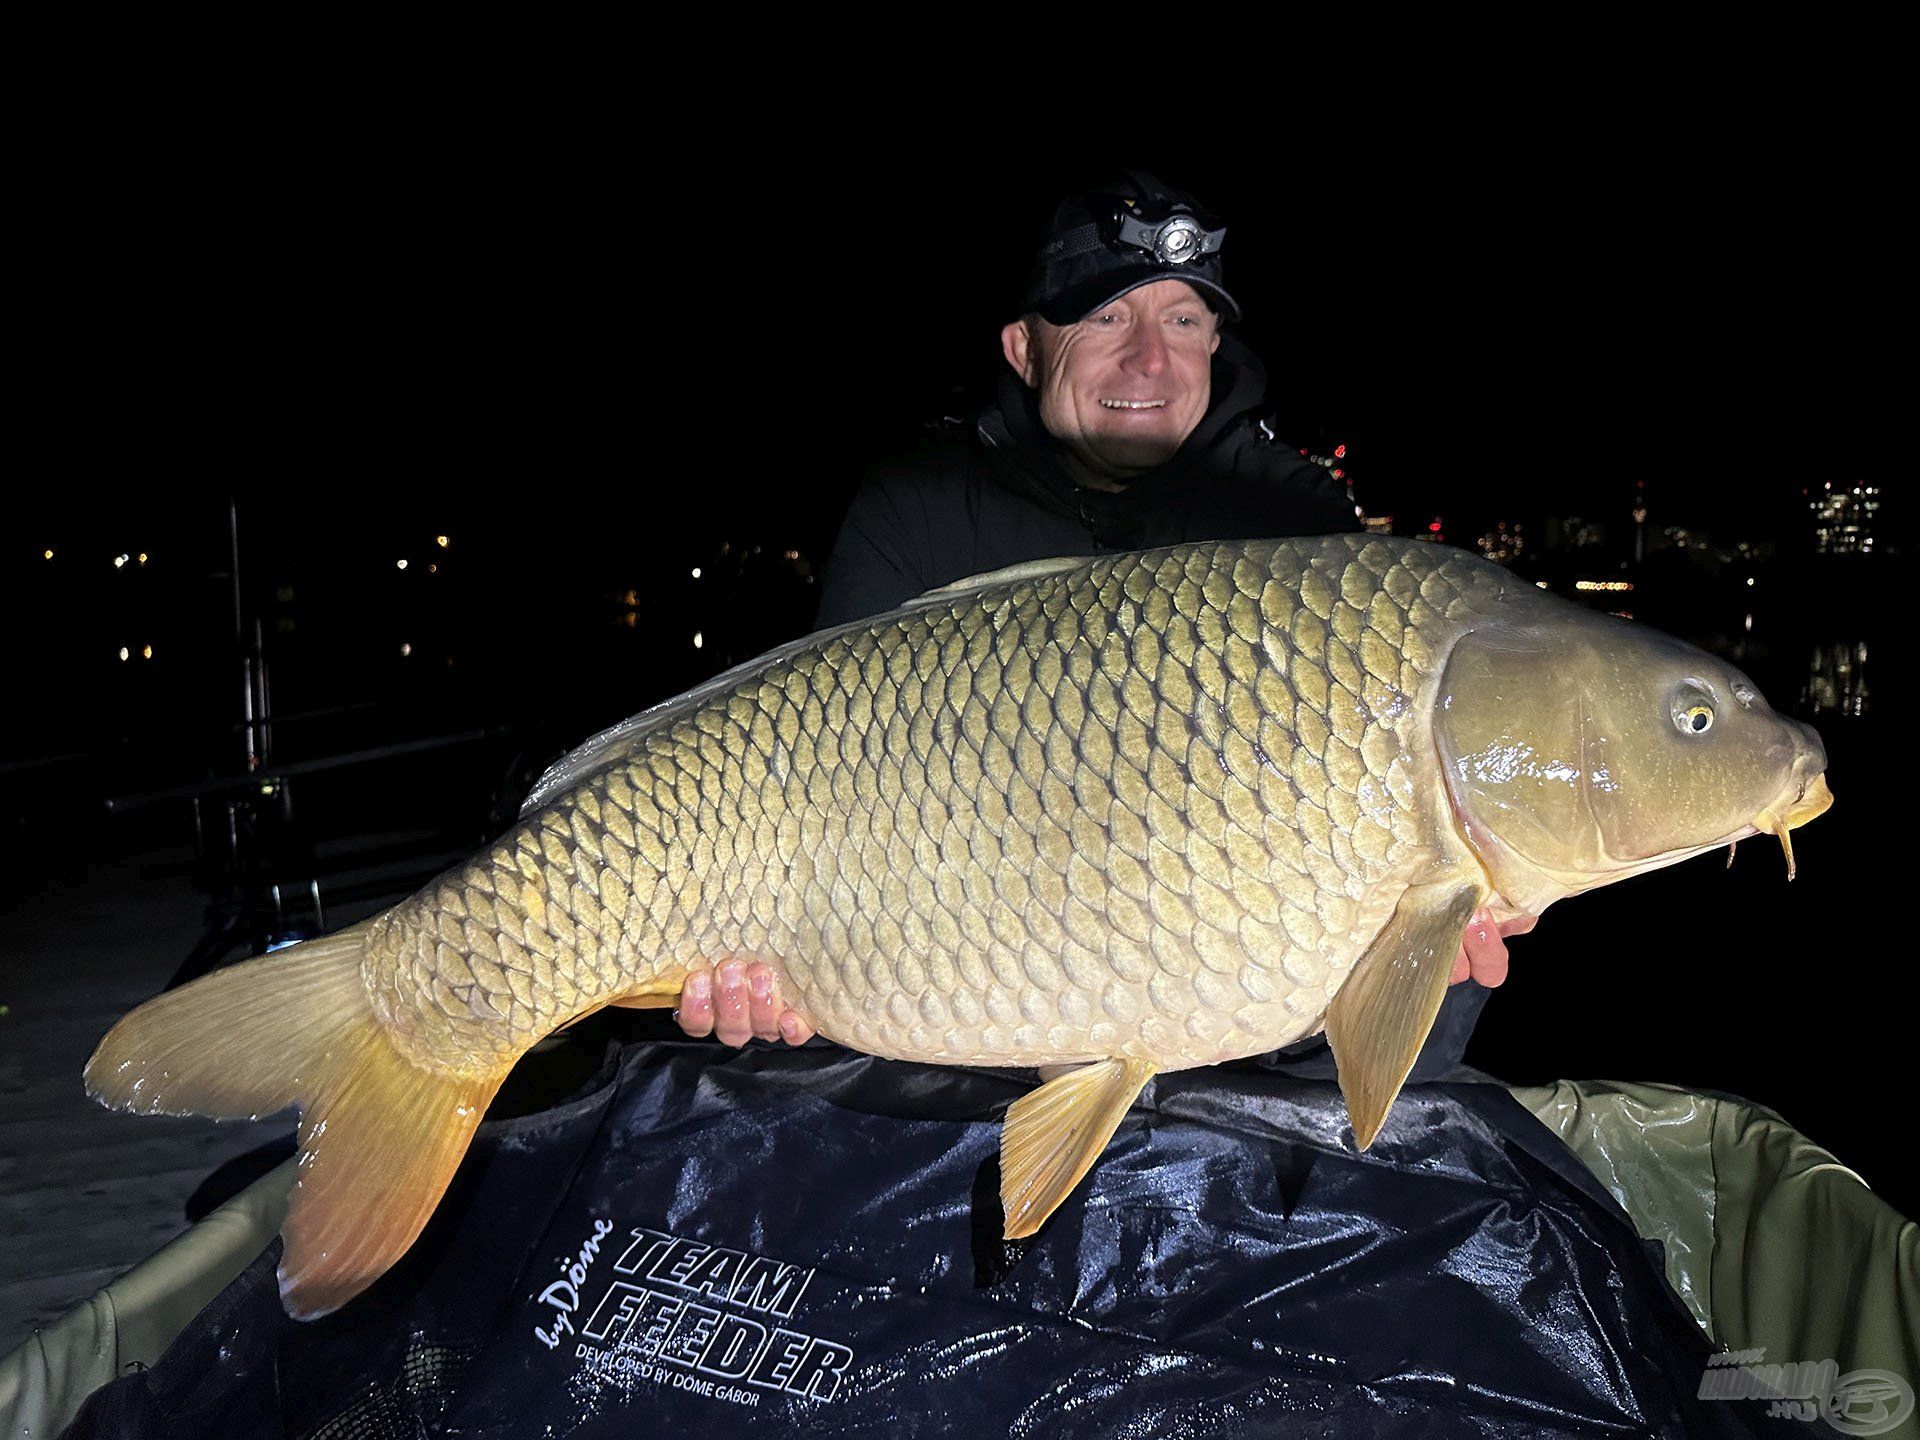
[{"x": 1118, "y": 237}]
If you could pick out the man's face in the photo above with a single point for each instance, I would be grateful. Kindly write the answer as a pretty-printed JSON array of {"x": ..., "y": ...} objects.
[{"x": 1125, "y": 386}]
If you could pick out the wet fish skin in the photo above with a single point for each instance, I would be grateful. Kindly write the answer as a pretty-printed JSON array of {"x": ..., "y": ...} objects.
[
  {"x": 1105, "y": 812},
  {"x": 1135, "y": 813}
]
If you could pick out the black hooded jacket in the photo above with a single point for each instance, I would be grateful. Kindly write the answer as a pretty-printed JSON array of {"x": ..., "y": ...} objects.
[{"x": 996, "y": 491}]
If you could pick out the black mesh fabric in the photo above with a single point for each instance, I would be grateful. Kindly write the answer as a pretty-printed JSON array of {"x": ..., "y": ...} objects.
[{"x": 807, "y": 1243}]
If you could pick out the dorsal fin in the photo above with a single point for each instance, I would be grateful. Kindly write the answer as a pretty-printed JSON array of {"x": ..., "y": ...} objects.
[
  {"x": 616, "y": 742},
  {"x": 1006, "y": 575}
]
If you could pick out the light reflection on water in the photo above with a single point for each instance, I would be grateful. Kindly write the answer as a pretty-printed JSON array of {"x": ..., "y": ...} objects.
[{"x": 1837, "y": 679}]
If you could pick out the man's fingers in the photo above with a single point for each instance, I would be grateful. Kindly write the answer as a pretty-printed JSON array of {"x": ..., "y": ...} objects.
[
  {"x": 731, "y": 1022},
  {"x": 1484, "y": 951},
  {"x": 696, "y": 1002},
  {"x": 1490, "y": 967},
  {"x": 763, "y": 1005},
  {"x": 738, "y": 1002},
  {"x": 793, "y": 1029}
]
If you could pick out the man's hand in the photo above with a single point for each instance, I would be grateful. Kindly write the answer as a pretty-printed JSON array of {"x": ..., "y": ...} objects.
[
  {"x": 737, "y": 1003},
  {"x": 1483, "y": 949}
]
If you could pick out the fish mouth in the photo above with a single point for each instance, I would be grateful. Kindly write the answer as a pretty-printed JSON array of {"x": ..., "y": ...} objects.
[{"x": 1814, "y": 799}]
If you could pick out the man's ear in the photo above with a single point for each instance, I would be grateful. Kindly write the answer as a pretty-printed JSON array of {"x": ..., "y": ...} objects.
[{"x": 1021, "y": 346}]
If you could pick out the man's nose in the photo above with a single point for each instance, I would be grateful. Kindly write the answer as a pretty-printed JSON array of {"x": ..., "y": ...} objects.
[{"x": 1146, "y": 352}]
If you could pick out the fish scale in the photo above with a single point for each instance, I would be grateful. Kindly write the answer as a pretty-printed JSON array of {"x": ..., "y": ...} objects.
[
  {"x": 1040, "y": 866},
  {"x": 1120, "y": 815}
]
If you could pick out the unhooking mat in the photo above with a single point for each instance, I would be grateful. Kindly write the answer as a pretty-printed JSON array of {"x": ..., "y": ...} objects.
[{"x": 807, "y": 1243}]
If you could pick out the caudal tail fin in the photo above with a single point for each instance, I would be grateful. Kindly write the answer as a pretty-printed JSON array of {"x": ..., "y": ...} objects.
[{"x": 380, "y": 1136}]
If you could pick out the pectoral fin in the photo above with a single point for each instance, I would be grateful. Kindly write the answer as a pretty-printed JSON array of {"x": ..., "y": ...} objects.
[
  {"x": 1053, "y": 1135},
  {"x": 1380, "y": 1018}
]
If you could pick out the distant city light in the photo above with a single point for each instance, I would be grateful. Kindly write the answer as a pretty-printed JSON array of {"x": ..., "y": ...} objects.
[
  {"x": 146, "y": 652},
  {"x": 1843, "y": 519},
  {"x": 401, "y": 563},
  {"x": 143, "y": 557},
  {"x": 698, "y": 640},
  {"x": 793, "y": 554},
  {"x": 1504, "y": 542},
  {"x": 696, "y": 572},
  {"x": 1749, "y": 624},
  {"x": 119, "y": 561},
  {"x": 124, "y": 652},
  {"x": 405, "y": 650},
  {"x": 1339, "y": 452},
  {"x": 1749, "y": 579},
  {"x": 433, "y": 569},
  {"x": 47, "y": 555},
  {"x": 1608, "y": 585},
  {"x": 441, "y": 541},
  {"x": 1541, "y": 583}
]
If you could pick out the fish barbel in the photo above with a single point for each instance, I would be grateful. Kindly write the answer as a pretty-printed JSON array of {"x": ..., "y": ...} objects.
[{"x": 1125, "y": 815}]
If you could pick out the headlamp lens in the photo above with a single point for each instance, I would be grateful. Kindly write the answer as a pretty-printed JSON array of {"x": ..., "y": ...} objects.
[{"x": 1177, "y": 242}]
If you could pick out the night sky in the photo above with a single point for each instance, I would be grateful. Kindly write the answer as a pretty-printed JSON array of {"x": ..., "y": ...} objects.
[{"x": 1498, "y": 297}]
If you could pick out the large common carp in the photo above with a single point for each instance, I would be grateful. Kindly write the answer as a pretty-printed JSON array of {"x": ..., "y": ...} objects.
[{"x": 1124, "y": 815}]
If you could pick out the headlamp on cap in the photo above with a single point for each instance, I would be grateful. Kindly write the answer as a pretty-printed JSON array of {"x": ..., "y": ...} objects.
[
  {"x": 1122, "y": 236},
  {"x": 1172, "y": 234}
]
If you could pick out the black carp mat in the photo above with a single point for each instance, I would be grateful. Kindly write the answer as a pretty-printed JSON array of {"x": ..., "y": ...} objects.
[{"x": 808, "y": 1243}]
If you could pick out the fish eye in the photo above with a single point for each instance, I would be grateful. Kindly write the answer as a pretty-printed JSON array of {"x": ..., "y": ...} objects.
[{"x": 1692, "y": 710}]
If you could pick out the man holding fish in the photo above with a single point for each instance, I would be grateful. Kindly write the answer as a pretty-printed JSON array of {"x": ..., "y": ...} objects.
[{"x": 1126, "y": 419}]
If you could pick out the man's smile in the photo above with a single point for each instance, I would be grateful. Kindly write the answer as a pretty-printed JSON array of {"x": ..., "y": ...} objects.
[{"x": 1133, "y": 404}]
